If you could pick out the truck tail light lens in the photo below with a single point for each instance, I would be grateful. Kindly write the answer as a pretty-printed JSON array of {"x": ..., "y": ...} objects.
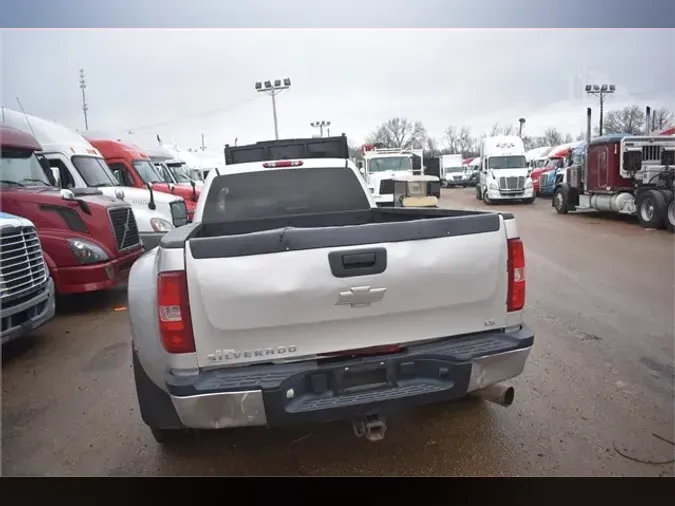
[
  {"x": 516, "y": 274},
  {"x": 173, "y": 309}
]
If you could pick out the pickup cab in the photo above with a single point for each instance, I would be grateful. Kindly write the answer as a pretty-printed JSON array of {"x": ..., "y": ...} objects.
[
  {"x": 26, "y": 288},
  {"x": 293, "y": 298}
]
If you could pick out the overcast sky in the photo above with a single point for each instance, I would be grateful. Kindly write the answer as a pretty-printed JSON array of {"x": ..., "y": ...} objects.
[{"x": 182, "y": 83}]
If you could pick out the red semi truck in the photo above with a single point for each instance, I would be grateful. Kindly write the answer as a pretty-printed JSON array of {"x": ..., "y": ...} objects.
[
  {"x": 89, "y": 241},
  {"x": 134, "y": 168},
  {"x": 626, "y": 174}
]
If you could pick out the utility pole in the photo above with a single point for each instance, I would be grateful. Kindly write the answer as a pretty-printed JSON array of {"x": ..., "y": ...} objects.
[
  {"x": 320, "y": 125},
  {"x": 83, "y": 86},
  {"x": 203, "y": 143},
  {"x": 600, "y": 91},
  {"x": 273, "y": 90}
]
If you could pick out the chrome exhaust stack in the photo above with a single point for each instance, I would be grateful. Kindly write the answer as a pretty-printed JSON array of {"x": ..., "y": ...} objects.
[{"x": 497, "y": 393}]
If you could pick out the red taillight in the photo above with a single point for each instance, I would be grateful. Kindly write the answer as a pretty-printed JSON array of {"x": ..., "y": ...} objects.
[
  {"x": 173, "y": 309},
  {"x": 516, "y": 271},
  {"x": 284, "y": 163}
]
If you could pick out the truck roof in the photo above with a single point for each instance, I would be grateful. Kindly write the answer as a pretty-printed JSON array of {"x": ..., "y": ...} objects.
[
  {"x": 15, "y": 138},
  {"x": 288, "y": 149},
  {"x": 51, "y": 135},
  {"x": 607, "y": 139},
  {"x": 113, "y": 148},
  {"x": 502, "y": 145}
]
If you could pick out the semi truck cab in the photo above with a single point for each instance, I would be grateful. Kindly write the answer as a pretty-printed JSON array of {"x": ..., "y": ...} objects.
[
  {"x": 383, "y": 166},
  {"x": 504, "y": 172},
  {"x": 134, "y": 168},
  {"x": 89, "y": 241}
]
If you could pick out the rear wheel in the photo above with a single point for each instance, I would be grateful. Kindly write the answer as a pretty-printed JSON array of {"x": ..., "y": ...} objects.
[
  {"x": 651, "y": 208},
  {"x": 670, "y": 216},
  {"x": 478, "y": 194}
]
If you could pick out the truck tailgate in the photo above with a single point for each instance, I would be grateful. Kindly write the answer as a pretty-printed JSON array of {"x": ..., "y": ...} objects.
[{"x": 291, "y": 304}]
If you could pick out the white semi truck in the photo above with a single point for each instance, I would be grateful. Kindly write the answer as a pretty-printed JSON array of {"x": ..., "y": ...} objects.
[
  {"x": 383, "y": 166},
  {"x": 504, "y": 172}
]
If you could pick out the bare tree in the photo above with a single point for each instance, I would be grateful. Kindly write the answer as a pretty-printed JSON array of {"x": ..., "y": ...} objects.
[
  {"x": 662, "y": 118},
  {"x": 553, "y": 137},
  {"x": 629, "y": 120},
  {"x": 465, "y": 143},
  {"x": 400, "y": 133},
  {"x": 432, "y": 148},
  {"x": 581, "y": 136},
  {"x": 496, "y": 130},
  {"x": 459, "y": 140},
  {"x": 568, "y": 138},
  {"x": 355, "y": 152}
]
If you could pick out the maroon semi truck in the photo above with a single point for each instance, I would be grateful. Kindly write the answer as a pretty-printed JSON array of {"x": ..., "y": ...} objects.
[
  {"x": 625, "y": 174},
  {"x": 89, "y": 241}
]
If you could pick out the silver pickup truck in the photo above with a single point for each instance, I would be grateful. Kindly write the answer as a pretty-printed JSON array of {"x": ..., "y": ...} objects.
[{"x": 293, "y": 298}]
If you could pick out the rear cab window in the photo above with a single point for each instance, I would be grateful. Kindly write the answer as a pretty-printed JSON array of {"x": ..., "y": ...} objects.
[{"x": 283, "y": 192}]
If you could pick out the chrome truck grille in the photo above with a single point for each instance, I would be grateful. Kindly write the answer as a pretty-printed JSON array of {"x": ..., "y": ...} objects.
[
  {"x": 179, "y": 213},
  {"x": 386, "y": 187},
  {"x": 124, "y": 227},
  {"x": 22, "y": 265},
  {"x": 512, "y": 183}
]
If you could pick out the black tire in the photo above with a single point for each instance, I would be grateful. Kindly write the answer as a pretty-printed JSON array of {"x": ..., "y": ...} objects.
[
  {"x": 651, "y": 208},
  {"x": 670, "y": 216},
  {"x": 529, "y": 201},
  {"x": 486, "y": 198},
  {"x": 561, "y": 200},
  {"x": 478, "y": 194}
]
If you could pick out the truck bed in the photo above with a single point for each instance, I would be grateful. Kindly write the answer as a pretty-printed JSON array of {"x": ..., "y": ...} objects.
[{"x": 298, "y": 287}]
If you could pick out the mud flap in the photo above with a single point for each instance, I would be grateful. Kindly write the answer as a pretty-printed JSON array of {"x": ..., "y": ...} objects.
[{"x": 156, "y": 408}]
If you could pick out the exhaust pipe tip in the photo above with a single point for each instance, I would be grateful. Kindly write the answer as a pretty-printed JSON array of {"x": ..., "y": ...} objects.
[
  {"x": 509, "y": 395},
  {"x": 497, "y": 393}
]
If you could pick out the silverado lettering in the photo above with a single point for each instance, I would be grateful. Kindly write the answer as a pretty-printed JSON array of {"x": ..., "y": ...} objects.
[{"x": 219, "y": 355}]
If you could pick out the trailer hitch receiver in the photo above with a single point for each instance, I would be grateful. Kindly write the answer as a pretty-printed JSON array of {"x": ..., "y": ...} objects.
[{"x": 372, "y": 427}]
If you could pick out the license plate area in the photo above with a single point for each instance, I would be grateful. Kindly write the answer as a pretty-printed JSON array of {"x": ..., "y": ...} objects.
[{"x": 360, "y": 378}]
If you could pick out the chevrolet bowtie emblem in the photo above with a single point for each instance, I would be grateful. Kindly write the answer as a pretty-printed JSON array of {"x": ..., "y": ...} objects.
[{"x": 360, "y": 296}]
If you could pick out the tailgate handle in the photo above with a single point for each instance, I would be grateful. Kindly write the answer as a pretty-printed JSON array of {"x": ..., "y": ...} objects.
[{"x": 362, "y": 262}]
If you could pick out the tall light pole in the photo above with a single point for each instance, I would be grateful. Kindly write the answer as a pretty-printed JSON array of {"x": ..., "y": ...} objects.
[
  {"x": 521, "y": 122},
  {"x": 601, "y": 91},
  {"x": 320, "y": 125},
  {"x": 83, "y": 86},
  {"x": 273, "y": 89}
]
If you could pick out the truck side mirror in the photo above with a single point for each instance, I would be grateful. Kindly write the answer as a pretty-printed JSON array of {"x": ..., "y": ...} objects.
[{"x": 57, "y": 176}]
